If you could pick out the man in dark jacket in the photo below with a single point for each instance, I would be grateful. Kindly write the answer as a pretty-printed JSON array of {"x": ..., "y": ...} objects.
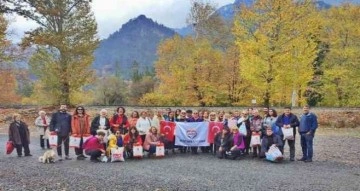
[
  {"x": 288, "y": 120},
  {"x": 61, "y": 124},
  {"x": 268, "y": 140},
  {"x": 307, "y": 128}
]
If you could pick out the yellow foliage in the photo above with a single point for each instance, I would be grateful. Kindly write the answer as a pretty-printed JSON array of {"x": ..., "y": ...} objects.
[{"x": 277, "y": 48}]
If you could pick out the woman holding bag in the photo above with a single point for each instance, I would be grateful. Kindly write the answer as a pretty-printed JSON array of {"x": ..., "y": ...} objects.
[
  {"x": 80, "y": 127},
  {"x": 42, "y": 123},
  {"x": 244, "y": 129},
  {"x": 151, "y": 140}
]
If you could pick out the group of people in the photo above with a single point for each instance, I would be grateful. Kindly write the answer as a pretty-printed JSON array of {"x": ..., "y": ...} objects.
[{"x": 143, "y": 129}]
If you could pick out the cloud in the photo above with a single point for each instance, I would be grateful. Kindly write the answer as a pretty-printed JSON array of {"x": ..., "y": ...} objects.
[{"x": 112, "y": 14}]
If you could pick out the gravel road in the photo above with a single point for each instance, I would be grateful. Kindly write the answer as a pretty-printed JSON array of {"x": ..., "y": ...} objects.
[{"x": 332, "y": 169}]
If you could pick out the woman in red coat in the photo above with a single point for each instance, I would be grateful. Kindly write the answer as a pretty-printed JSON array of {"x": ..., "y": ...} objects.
[
  {"x": 80, "y": 127},
  {"x": 130, "y": 139},
  {"x": 119, "y": 121}
]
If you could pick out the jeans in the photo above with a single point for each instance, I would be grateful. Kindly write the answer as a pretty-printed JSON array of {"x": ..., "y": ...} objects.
[
  {"x": 94, "y": 154},
  {"x": 152, "y": 149},
  {"x": 79, "y": 151},
  {"x": 291, "y": 144},
  {"x": 307, "y": 146},
  {"x": 60, "y": 140}
]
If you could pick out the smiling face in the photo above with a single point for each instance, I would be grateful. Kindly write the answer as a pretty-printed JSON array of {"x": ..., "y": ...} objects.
[{"x": 153, "y": 130}]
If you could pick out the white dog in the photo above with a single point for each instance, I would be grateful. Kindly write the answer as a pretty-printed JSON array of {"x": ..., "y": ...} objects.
[{"x": 48, "y": 157}]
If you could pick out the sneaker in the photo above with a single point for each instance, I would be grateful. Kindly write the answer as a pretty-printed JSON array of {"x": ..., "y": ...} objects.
[
  {"x": 67, "y": 158},
  {"x": 80, "y": 157}
]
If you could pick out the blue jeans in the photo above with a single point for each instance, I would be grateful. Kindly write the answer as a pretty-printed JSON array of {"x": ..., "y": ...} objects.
[
  {"x": 152, "y": 149},
  {"x": 307, "y": 146}
]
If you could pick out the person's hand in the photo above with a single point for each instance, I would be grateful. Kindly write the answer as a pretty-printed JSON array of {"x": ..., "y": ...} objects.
[
  {"x": 102, "y": 150},
  {"x": 220, "y": 149}
]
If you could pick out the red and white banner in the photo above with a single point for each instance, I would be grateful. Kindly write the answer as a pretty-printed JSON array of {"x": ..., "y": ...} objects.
[
  {"x": 168, "y": 128},
  {"x": 214, "y": 128}
]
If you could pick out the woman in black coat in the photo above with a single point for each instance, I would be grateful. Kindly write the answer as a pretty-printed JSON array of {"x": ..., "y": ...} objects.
[
  {"x": 223, "y": 142},
  {"x": 100, "y": 122},
  {"x": 20, "y": 136}
]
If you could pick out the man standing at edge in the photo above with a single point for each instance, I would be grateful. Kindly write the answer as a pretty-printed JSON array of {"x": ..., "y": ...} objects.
[
  {"x": 61, "y": 124},
  {"x": 307, "y": 128}
]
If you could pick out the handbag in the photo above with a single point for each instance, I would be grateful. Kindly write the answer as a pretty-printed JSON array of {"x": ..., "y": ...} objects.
[{"x": 9, "y": 147}]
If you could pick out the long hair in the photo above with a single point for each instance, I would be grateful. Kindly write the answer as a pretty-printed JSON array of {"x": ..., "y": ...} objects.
[
  {"x": 79, "y": 107},
  {"x": 136, "y": 132},
  {"x": 274, "y": 112}
]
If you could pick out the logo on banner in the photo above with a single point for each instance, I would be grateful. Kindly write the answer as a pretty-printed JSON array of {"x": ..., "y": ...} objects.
[
  {"x": 191, "y": 133},
  {"x": 167, "y": 129},
  {"x": 215, "y": 129}
]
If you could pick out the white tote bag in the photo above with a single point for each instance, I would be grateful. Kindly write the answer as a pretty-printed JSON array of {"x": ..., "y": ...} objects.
[
  {"x": 288, "y": 133},
  {"x": 160, "y": 150},
  {"x": 242, "y": 129},
  {"x": 53, "y": 139},
  {"x": 138, "y": 151},
  {"x": 255, "y": 140},
  {"x": 117, "y": 155},
  {"x": 74, "y": 142}
]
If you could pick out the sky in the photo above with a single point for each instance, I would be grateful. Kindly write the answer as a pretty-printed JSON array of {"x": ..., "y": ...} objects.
[{"x": 112, "y": 14}]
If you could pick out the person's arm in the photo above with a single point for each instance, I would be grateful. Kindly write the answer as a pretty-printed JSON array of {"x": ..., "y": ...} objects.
[
  {"x": 53, "y": 122},
  {"x": 72, "y": 122},
  {"x": 107, "y": 123},
  {"x": 278, "y": 142},
  {"x": 314, "y": 124},
  {"x": 279, "y": 122},
  {"x": 294, "y": 122}
]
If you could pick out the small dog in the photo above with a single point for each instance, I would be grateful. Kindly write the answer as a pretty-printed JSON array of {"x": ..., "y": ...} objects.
[{"x": 48, "y": 157}]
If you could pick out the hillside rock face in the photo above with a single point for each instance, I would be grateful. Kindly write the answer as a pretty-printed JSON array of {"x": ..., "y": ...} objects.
[{"x": 136, "y": 41}]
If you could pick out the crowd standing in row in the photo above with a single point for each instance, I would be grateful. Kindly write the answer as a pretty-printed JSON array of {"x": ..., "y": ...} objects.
[{"x": 143, "y": 129}]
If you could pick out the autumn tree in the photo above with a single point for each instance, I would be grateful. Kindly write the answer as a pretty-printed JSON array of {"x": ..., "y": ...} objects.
[
  {"x": 277, "y": 48},
  {"x": 188, "y": 73},
  {"x": 341, "y": 65},
  {"x": 7, "y": 77},
  {"x": 66, "y": 39}
]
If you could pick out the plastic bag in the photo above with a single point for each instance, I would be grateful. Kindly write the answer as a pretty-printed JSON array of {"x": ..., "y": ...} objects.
[
  {"x": 117, "y": 155},
  {"x": 53, "y": 139},
  {"x": 274, "y": 154},
  {"x": 160, "y": 150},
  {"x": 288, "y": 133},
  {"x": 255, "y": 140},
  {"x": 9, "y": 147},
  {"x": 137, "y": 151},
  {"x": 74, "y": 142},
  {"x": 242, "y": 129}
]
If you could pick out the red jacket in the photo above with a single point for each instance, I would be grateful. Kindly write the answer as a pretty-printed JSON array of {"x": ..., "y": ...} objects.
[
  {"x": 93, "y": 143},
  {"x": 127, "y": 139},
  {"x": 120, "y": 120},
  {"x": 75, "y": 126}
]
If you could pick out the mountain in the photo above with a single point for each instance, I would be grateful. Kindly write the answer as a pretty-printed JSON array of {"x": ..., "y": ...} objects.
[
  {"x": 227, "y": 12},
  {"x": 136, "y": 41}
]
